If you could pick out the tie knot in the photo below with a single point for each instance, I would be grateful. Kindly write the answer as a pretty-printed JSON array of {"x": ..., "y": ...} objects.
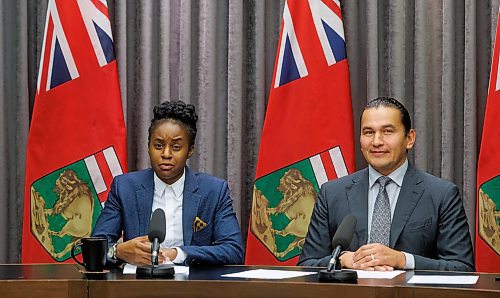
[{"x": 383, "y": 181}]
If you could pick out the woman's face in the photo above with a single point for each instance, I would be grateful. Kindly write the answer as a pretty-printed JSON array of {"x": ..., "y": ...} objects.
[{"x": 169, "y": 150}]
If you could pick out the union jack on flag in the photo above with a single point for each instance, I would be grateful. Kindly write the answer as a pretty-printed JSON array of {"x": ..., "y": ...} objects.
[
  {"x": 58, "y": 56},
  {"x": 307, "y": 137},
  {"x": 330, "y": 32}
]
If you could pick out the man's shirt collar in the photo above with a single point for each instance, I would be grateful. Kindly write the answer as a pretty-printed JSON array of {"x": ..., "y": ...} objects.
[{"x": 397, "y": 175}]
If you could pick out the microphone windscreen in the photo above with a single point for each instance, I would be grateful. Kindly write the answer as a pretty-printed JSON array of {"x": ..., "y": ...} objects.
[
  {"x": 345, "y": 231},
  {"x": 157, "y": 226}
]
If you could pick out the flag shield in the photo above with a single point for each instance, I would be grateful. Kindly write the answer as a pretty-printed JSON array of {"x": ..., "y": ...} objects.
[
  {"x": 283, "y": 202},
  {"x": 489, "y": 213},
  {"x": 64, "y": 208}
]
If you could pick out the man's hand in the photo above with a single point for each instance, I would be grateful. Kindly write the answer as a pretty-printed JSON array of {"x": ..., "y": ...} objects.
[
  {"x": 346, "y": 259},
  {"x": 375, "y": 256},
  {"x": 136, "y": 251}
]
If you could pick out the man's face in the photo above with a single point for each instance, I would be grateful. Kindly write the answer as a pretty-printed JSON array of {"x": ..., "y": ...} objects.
[
  {"x": 383, "y": 139},
  {"x": 168, "y": 150}
]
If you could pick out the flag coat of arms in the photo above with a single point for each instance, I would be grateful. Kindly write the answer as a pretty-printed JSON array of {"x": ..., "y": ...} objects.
[
  {"x": 307, "y": 138},
  {"x": 77, "y": 139},
  {"x": 488, "y": 176}
]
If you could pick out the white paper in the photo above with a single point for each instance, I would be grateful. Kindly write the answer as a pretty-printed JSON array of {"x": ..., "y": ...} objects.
[
  {"x": 130, "y": 269},
  {"x": 268, "y": 274},
  {"x": 181, "y": 269},
  {"x": 444, "y": 279},
  {"x": 378, "y": 274}
]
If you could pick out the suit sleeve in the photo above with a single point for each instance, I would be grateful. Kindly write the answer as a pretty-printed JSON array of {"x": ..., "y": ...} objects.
[
  {"x": 317, "y": 247},
  {"x": 109, "y": 223},
  {"x": 454, "y": 246},
  {"x": 227, "y": 242}
]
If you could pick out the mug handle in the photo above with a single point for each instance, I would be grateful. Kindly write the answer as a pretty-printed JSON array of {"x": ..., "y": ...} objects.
[{"x": 73, "y": 253}]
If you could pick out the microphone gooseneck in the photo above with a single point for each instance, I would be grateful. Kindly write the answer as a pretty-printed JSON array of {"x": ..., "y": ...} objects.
[{"x": 333, "y": 259}]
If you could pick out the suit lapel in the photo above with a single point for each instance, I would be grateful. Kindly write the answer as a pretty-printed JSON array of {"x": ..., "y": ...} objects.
[
  {"x": 409, "y": 195},
  {"x": 190, "y": 204},
  {"x": 357, "y": 194},
  {"x": 144, "y": 199}
]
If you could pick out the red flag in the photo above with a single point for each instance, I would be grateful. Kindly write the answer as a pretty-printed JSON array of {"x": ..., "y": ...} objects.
[
  {"x": 76, "y": 143},
  {"x": 307, "y": 137},
  {"x": 488, "y": 176}
]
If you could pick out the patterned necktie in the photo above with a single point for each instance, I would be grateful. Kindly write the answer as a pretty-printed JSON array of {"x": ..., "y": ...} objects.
[{"x": 381, "y": 219}]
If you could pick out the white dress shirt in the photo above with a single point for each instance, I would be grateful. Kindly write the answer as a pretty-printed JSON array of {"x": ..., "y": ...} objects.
[
  {"x": 169, "y": 198},
  {"x": 393, "y": 190}
]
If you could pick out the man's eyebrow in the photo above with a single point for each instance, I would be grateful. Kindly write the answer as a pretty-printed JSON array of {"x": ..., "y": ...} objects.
[
  {"x": 383, "y": 126},
  {"x": 389, "y": 126}
]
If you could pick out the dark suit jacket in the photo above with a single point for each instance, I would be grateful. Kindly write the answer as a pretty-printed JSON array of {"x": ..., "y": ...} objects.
[
  {"x": 129, "y": 204},
  {"x": 429, "y": 221}
]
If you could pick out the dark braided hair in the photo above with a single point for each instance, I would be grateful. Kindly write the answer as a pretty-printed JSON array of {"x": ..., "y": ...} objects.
[
  {"x": 178, "y": 111},
  {"x": 392, "y": 103}
]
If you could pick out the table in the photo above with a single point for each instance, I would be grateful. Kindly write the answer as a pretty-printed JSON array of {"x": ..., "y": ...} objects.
[
  {"x": 65, "y": 280},
  {"x": 42, "y": 280},
  {"x": 207, "y": 282}
]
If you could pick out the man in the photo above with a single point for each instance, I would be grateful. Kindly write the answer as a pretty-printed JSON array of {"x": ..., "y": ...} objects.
[
  {"x": 201, "y": 227},
  {"x": 407, "y": 219}
]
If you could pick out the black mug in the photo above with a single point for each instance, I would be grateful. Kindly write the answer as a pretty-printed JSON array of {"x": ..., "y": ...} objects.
[{"x": 94, "y": 250}]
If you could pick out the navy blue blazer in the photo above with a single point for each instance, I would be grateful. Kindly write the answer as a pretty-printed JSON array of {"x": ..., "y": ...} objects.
[
  {"x": 128, "y": 211},
  {"x": 429, "y": 221}
]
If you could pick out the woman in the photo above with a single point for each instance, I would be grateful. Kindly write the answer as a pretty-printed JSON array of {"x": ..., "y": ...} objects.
[{"x": 201, "y": 226}]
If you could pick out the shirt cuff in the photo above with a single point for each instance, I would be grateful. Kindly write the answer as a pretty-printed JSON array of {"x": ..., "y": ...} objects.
[
  {"x": 181, "y": 256},
  {"x": 410, "y": 261}
]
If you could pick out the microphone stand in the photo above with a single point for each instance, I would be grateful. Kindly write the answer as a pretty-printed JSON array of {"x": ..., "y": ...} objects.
[
  {"x": 332, "y": 274},
  {"x": 341, "y": 276},
  {"x": 155, "y": 270}
]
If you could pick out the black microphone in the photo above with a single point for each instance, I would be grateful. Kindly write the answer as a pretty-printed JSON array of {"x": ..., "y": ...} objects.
[
  {"x": 156, "y": 233},
  {"x": 342, "y": 238},
  {"x": 340, "y": 241}
]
